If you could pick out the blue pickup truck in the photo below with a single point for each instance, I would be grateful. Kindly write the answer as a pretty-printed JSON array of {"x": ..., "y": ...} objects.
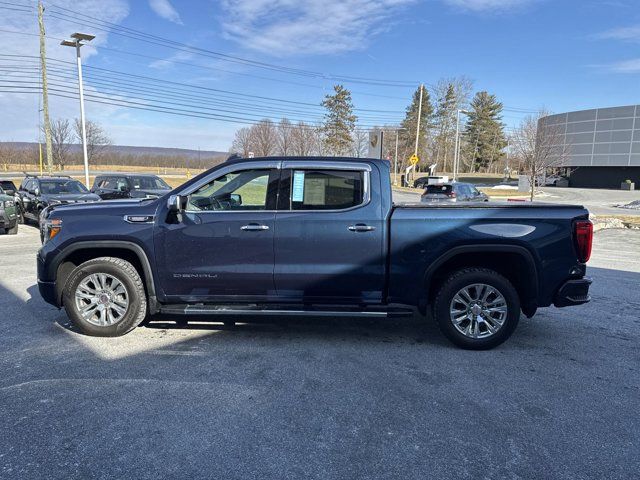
[{"x": 313, "y": 237}]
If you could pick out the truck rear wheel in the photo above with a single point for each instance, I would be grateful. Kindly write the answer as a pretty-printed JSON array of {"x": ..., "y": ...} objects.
[
  {"x": 477, "y": 308},
  {"x": 105, "y": 297}
]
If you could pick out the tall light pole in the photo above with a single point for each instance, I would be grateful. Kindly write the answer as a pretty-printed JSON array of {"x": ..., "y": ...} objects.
[
  {"x": 78, "y": 38},
  {"x": 456, "y": 153}
]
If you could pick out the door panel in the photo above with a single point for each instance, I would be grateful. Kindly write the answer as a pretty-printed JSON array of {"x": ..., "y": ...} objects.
[
  {"x": 210, "y": 255},
  {"x": 328, "y": 255},
  {"x": 223, "y": 248}
]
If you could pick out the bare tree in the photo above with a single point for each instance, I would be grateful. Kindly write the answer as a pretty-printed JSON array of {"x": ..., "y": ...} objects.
[
  {"x": 97, "y": 138},
  {"x": 285, "y": 137},
  {"x": 303, "y": 139},
  {"x": 265, "y": 136},
  {"x": 451, "y": 94},
  {"x": 538, "y": 147},
  {"x": 61, "y": 137},
  {"x": 243, "y": 141},
  {"x": 360, "y": 143}
]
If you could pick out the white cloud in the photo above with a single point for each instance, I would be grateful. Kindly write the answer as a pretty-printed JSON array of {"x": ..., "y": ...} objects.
[
  {"x": 165, "y": 10},
  {"x": 289, "y": 27},
  {"x": 487, "y": 5},
  {"x": 622, "y": 33},
  {"x": 624, "y": 66},
  {"x": 20, "y": 111}
]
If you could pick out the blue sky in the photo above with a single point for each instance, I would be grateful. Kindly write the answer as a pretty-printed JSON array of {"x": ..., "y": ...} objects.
[{"x": 562, "y": 55}]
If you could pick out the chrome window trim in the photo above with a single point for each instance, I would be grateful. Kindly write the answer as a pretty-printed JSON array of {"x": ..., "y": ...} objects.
[
  {"x": 344, "y": 166},
  {"x": 237, "y": 167},
  {"x": 328, "y": 165}
]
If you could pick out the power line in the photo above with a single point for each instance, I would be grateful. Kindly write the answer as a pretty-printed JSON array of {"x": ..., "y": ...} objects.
[
  {"x": 200, "y": 87},
  {"x": 156, "y": 93},
  {"x": 103, "y": 25}
]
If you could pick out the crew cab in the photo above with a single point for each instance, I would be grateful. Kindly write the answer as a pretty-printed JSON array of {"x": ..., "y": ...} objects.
[{"x": 313, "y": 237}]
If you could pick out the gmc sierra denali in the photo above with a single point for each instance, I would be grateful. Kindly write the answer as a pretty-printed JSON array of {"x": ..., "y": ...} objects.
[{"x": 314, "y": 237}]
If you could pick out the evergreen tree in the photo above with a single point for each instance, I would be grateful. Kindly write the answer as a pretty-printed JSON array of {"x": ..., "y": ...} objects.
[
  {"x": 339, "y": 123},
  {"x": 484, "y": 132},
  {"x": 410, "y": 124}
]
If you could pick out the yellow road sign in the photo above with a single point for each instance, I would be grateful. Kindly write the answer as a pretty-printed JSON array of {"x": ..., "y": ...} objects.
[{"x": 413, "y": 160}]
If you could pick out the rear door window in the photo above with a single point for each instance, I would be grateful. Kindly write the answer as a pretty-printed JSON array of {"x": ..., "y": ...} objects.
[{"x": 325, "y": 189}]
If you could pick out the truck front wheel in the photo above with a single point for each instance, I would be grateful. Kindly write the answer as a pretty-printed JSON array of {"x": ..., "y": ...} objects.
[
  {"x": 105, "y": 297},
  {"x": 477, "y": 308}
]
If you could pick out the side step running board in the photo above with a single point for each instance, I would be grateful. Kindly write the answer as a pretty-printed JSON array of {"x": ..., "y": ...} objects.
[{"x": 210, "y": 310}]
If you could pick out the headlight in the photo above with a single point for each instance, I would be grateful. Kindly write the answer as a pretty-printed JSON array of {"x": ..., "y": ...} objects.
[
  {"x": 7, "y": 204},
  {"x": 50, "y": 228}
]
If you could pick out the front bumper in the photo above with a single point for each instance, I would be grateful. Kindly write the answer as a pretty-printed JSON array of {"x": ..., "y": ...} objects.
[
  {"x": 46, "y": 284},
  {"x": 48, "y": 292},
  {"x": 573, "y": 292},
  {"x": 8, "y": 218}
]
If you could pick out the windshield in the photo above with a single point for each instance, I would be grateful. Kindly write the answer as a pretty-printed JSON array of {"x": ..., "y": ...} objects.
[
  {"x": 57, "y": 187},
  {"x": 149, "y": 183}
]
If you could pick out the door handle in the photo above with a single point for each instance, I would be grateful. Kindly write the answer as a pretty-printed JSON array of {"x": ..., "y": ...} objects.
[
  {"x": 252, "y": 227},
  {"x": 360, "y": 227}
]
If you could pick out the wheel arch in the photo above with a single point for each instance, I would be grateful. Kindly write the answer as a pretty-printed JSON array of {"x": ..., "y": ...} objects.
[
  {"x": 77, "y": 253},
  {"x": 514, "y": 262}
]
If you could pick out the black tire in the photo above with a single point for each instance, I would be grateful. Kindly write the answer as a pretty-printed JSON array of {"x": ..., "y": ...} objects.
[
  {"x": 13, "y": 230},
  {"x": 123, "y": 271},
  {"x": 467, "y": 277}
]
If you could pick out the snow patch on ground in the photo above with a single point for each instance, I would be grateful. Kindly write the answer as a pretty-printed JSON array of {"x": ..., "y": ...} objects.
[{"x": 635, "y": 205}]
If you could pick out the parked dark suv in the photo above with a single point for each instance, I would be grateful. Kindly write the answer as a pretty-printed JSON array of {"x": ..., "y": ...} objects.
[
  {"x": 453, "y": 192},
  {"x": 37, "y": 193},
  {"x": 115, "y": 186}
]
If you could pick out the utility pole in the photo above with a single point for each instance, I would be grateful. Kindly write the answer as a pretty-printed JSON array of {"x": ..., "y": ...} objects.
[
  {"x": 415, "y": 151},
  {"x": 45, "y": 95},
  {"x": 395, "y": 162},
  {"x": 78, "y": 38}
]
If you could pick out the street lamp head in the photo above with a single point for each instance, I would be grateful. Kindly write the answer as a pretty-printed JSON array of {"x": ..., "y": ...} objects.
[{"x": 83, "y": 37}]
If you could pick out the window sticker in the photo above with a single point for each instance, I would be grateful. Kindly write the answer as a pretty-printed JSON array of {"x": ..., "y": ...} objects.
[{"x": 297, "y": 192}]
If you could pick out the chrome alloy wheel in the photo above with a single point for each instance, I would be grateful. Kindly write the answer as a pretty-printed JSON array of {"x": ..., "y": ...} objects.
[
  {"x": 478, "y": 310},
  {"x": 102, "y": 299}
]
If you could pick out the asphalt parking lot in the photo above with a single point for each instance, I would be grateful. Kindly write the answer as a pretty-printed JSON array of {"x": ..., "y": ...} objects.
[{"x": 325, "y": 399}]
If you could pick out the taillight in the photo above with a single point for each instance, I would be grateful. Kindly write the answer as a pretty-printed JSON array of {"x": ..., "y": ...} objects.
[
  {"x": 452, "y": 194},
  {"x": 583, "y": 230}
]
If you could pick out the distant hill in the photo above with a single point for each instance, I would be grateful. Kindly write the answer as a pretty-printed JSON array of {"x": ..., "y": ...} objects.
[{"x": 132, "y": 150}]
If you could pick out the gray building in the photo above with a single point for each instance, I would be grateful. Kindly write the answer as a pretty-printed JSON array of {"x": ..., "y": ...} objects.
[{"x": 599, "y": 147}]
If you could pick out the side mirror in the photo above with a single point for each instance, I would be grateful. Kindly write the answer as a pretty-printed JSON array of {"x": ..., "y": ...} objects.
[
  {"x": 235, "y": 199},
  {"x": 176, "y": 203}
]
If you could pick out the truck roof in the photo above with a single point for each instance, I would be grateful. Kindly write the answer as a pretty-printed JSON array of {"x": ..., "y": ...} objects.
[{"x": 233, "y": 159}]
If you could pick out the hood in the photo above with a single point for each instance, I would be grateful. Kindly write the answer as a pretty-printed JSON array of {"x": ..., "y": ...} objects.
[
  {"x": 71, "y": 198},
  {"x": 106, "y": 207},
  {"x": 140, "y": 192}
]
